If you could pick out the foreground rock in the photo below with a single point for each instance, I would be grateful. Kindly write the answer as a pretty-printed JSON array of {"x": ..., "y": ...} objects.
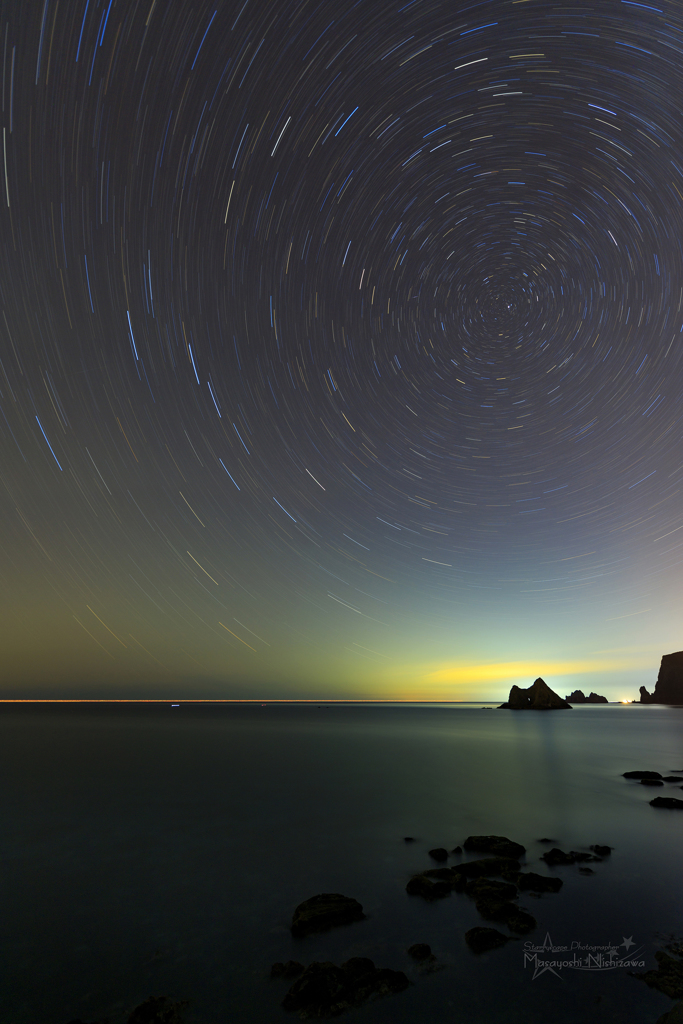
[
  {"x": 578, "y": 697},
  {"x": 669, "y": 685},
  {"x": 327, "y": 910},
  {"x": 537, "y": 697},
  {"x": 674, "y": 1016},
  {"x": 641, "y": 775},
  {"x": 669, "y": 802},
  {"x": 668, "y": 978},
  {"x": 325, "y": 990},
  {"x": 158, "y": 1010},
  {"x": 556, "y": 856},
  {"x": 497, "y": 846},
  {"x": 481, "y": 940}
]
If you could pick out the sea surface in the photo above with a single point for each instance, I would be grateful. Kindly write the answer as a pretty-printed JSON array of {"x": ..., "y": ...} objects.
[{"x": 157, "y": 850}]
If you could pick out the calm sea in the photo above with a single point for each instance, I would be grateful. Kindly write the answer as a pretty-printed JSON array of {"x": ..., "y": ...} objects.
[{"x": 151, "y": 850}]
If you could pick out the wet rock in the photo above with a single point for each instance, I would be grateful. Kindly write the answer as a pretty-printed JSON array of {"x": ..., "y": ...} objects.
[
  {"x": 556, "y": 856},
  {"x": 673, "y": 778},
  {"x": 408, "y": 839},
  {"x": 458, "y": 849},
  {"x": 158, "y": 1010},
  {"x": 669, "y": 802},
  {"x": 532, "y": 882},
  {"x": 586, "y": 871},
  {"x": 651, "y": 782},
  {"x": 499, "y": 846},
  {"x": 508, "y": 913},
  {"x": 490, "y": 889},
  {"x": 327, "y": 910},
  {"x": 546, "y": 840},
  {"x": 487, "y": 866},
  {"x": 601, "y": 851},
  {"x": 481, "y": 940},
  {"x": 421, "y": 885},
  {"x": 668, "y": 978},
  {"x": 439, "y": 853},
  {"x": 420, "y": 951},
  {"x": 537, "y": 697},
  {"x": 674, "y": 1016},
  {"x": 292, "y": 969},
  {"x": 326, "y": 990},
  {"x": 641, "y": 775}
]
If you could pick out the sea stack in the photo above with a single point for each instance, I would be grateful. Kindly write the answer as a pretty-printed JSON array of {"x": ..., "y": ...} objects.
[
  {"x": 537, "y": 697},
  {"x": 669, "y": 685},
  {"x": 578, "y": 697}
]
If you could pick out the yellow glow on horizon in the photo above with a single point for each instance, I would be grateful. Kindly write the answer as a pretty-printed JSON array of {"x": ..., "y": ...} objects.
[{"x": 501, "y": 671}]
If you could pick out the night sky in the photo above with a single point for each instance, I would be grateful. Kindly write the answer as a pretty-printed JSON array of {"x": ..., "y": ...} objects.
[{"x": 341, "y": 347}]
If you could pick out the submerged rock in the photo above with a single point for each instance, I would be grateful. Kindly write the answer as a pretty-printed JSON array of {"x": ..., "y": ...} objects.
[
  {"x": 556, "y": 856},
  {"x": 668, "y": 978},
  {"x": 420, "y": 951},
  {"x": 669, "y": 686},
  {"x": 667, "y": 801},
  {"x": 439, "y": 853},
  {"x": 292, "y": 969},
  {"x": 481, "y": 940},
  {"x": 673, "y": 778},
  {"x": 537, "y": 697},
  {"x": 514, "y": 917},
  {"x": 499, "y": 846},
  {"x": 601, "y": 851},
  {"x": 326, "y": 990},
  {"x": 651, "y": 782},
  {"x": 641, "y": 775},
  {"x": 503, "y": 866},
  {"x": 158, "y": 1010},
  {"x": 421, "y": 885},
  {"x": 327, "y": 910},
  {"x": 532, "y": 882}
]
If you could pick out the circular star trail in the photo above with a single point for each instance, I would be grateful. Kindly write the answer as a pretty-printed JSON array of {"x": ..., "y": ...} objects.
[{"x": 337, "y": 336}]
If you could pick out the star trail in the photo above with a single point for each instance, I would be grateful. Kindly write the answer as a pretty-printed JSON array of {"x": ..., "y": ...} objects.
[{"x": 342, "y": 346}]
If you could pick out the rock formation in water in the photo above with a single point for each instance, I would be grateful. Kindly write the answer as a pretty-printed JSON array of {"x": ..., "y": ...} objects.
[
  {"x": 325, "y": 990},
  {"x": 669, "y": 685},
  {"x": 538, "y": 697},
  {"x": 327, "y": 910},
  {"x": 578, "y": 697}
]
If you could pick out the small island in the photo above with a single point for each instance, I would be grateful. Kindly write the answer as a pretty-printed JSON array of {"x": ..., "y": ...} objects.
[
  {"x": 578, "y": 697},
  {"x": 537, "y": 697}
]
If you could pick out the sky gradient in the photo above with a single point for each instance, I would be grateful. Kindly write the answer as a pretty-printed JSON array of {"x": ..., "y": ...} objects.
[{"x": 341, "y": 347}]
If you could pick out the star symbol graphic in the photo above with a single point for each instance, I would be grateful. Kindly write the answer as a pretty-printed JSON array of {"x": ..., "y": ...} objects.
[{"x": 628, "y": 942}]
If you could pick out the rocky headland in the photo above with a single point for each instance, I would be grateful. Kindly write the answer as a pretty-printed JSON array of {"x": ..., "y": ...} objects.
[{"x": 669, "y": 686}]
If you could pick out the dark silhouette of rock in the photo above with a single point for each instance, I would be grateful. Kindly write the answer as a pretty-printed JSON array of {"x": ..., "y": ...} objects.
[
  {"x": 292, "y": 969},
  {"x": 481, "y": 940},
  {"x": 508, "y": 913},
  {"x": 537, "y": 697},
  {"x": 324, "y": 911},
  {"x": 586, "y": 871},
  {"x": 641, "y": 775},
  {"x": 499, "y": 846},
  {"x": 439, "y": 853},
  {"x": 669, "y": 686},
  {"x": 408, "y": 839},
  {"x": 600, "y": 851},
  {"x": 555, "y": 856},
  {"x": 158, "y": 1010},
  {"x": 326, "y": 990},
  {"x": 651, "y": 782},
  {"x": 667, "y": 801},
  {"x": 458, "y": 849},
  {"x": 420, "y": 951},
  {"x": 502, "y": 866},
  {"x": 491, "y": 889},
  {"x": 421, "y": 885},
  {"x": 673, "y": 778},
  {"x": 578, "y": 697},
  {"x": 668, "y": 978},
  {"x": 674, "y": 1016},
  {"x": 532, "y": 882}
]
